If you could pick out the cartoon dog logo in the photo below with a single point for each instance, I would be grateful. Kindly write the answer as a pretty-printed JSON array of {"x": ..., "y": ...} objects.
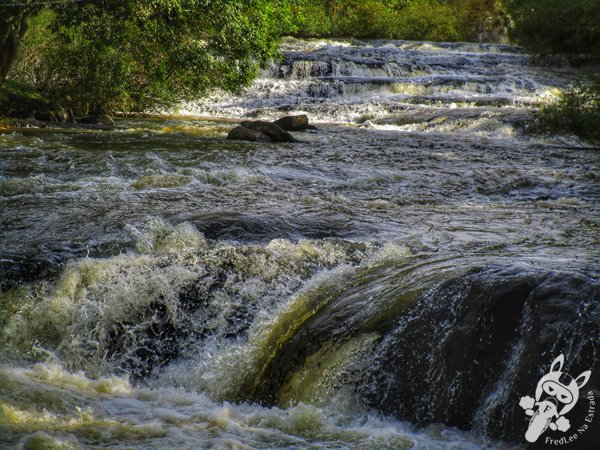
[{"x": 556, "y": 394}]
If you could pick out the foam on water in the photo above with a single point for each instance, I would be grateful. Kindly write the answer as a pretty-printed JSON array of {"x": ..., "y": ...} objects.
[
  {"x": 341, "y": 81},
  {"x": 96, "y": 302},
  {"x": 75, "y": 400},
  {"x": 66, "y": 410}
]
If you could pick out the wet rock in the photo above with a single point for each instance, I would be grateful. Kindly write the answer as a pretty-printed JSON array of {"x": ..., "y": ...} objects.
[
  {"x": 241, "y": 133},
  {"x": 61, "y": 114},
  {"x": 295, "y": 123},
  {"x": 44, "y": 116},
  {"x": 274, "y": 131},
  {"x": 100, "y": 119},
  {"x": 579, "y": 60},
  {"x": 69, "y": 117},
  {"x": 465, "y": 354},
  {"x": 553, "y": 60}
]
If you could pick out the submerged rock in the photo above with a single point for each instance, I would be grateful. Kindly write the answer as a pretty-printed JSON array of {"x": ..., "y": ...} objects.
[
  {"x": 274, "y": 131},
  {"x": 295, "y": 123},
  {"x": 241, "y": 133}
]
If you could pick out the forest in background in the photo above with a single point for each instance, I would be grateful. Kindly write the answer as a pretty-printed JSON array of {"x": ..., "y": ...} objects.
[
  {"x": 544, "y": 26},
  {"x": 431, "y": 20},
  {"x": 98, "y": 56}
]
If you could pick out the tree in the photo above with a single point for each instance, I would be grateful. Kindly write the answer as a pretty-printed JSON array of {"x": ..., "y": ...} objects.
[
  {"x": 131, "y": 55},
  {"x": 13, "y": 25},
  {"x": 556, "y": 26}
]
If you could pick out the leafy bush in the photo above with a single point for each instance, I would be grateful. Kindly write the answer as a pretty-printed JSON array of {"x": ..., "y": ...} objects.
[{"x": 576, "y": 111}]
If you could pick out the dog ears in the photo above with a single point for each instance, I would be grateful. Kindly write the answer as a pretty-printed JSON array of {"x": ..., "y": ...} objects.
[
  {"x": 558, "y": 363},
  {"x": 583, "y": 378}
]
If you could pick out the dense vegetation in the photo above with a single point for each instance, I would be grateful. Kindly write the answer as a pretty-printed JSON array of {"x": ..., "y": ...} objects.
[
  {"x": 544, "y": 26},
  {"x": 134, "y": 55},
  {"x": 555, "y": 26},
  {"x": 450, "y": 20},
  {"x": 573, "y": 27}
]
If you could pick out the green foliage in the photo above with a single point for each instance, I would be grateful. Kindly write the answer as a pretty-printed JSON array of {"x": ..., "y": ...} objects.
[
  {"x": 558, "y": 26},
  {"x": 433, "y": 21},
  {"x": 18, "y": 99},
  {"x": 136, "y": 55},
  {"x": 450, "y": 20},
  {"x": 576, "y": 111},
  {"x": 555, "y": 26}
]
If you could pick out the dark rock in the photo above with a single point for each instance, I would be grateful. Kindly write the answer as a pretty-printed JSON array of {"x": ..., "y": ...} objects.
[
  {"x": 462, "y": 354},
  {"x": 274, "y": 131},
  {"x": 554, "y": 60},
  {"x": 580, "y": 61},
  {"x": 241, "y": 133},
  {"x": 295, "y": 123},
  {"x": 60, "y": 114},
  {"x": 100, "y": 119},
  {"x": 465, "y": 354}
]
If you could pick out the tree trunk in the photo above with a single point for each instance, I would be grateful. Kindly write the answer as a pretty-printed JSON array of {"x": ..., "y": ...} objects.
[{"x": 15, "y": 26}]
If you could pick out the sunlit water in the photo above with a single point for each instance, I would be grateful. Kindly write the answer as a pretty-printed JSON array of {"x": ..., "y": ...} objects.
[{"x": 166, "y": 288}]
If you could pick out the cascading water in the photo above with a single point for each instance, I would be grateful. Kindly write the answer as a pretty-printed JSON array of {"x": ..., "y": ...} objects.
[
  {"x": 414, "y": 86},
  {"x": 399, "y": 278}
]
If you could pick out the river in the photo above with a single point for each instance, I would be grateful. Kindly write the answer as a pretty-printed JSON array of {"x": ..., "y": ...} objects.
[{"x": 400, "y": 278}]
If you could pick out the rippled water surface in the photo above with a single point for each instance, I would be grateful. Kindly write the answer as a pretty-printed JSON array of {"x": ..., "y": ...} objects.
[{"x": 164, "y": 287}]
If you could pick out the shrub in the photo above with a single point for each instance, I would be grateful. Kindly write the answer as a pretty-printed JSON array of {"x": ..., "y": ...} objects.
[
  {"x": 575, "y": 111},
  {"x": 18, "y": 99}
]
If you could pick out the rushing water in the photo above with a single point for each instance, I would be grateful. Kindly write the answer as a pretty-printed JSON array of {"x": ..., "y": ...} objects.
[{"x": 400, "y": 278}]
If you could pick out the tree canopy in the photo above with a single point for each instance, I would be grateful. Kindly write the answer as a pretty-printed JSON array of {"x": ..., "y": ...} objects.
[{"x": 133, "y": 55}]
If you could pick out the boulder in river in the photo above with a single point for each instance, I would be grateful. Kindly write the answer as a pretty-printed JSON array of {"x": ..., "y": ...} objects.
[
  {"x": 295, "y": 123},
  {"x": 241, "y": 133},
  {"x": 274, "y": 131}
]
